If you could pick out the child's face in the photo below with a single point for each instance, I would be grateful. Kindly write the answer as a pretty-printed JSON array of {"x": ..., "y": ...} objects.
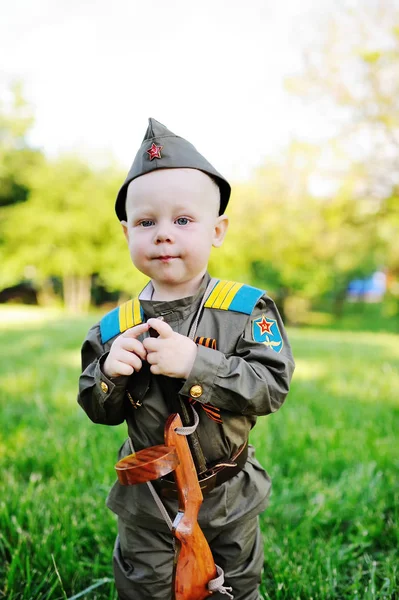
[{"x": 172, "y": 223}]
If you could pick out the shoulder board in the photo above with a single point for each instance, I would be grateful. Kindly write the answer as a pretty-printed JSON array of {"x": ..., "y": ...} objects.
[
  {"x": 121, "y": 318},
  {"x": 229, "y": 295}
]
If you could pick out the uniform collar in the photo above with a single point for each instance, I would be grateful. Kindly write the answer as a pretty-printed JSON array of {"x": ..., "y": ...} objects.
[{"x": 172, "y": 310}]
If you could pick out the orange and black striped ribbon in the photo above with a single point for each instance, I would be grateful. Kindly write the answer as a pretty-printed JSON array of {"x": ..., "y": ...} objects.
[
  {"x": 207, "y": 342},
  {"x": 211, "y": 411}
]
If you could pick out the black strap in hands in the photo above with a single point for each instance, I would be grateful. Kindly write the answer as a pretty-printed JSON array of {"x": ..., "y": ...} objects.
[{"x": 175, "y": 403}]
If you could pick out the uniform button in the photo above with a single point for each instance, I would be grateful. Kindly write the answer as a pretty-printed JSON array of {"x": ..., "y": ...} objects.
[
  {"x": 104, "y": 387},
  {"x": 196, "y": 391}
]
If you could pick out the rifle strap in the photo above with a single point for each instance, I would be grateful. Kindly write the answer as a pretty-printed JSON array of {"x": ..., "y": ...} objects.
[
  {"x": 175, "y": 403},
  {"x": 194, "y": 326},
  {"x": 191, "y": 428},
  {"x": 216, "y": 585}
]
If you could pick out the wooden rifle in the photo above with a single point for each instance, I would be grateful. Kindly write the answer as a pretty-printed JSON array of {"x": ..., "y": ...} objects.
[{"x": 193, "y": 566}]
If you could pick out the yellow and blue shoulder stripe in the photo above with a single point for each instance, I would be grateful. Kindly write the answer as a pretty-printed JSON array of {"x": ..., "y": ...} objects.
[
  {"x": 121, "y": 318},
  {"x": 229, "y": 295}
]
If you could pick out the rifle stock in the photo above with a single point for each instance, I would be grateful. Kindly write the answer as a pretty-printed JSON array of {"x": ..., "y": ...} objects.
[{"x": 193, "y": 566}]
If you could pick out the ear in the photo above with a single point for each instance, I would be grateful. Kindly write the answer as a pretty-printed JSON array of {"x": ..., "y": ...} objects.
[
  {"x": 220, "y": 230},
  {"x": 125, "y": 230}
]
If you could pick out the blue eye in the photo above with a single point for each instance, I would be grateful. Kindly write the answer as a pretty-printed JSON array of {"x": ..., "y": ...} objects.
[
  {"x": 182, "y": 221},
  {"x": 146, "y": 223}
]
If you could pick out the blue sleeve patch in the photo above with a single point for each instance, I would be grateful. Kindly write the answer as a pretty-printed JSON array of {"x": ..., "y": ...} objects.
[
  {"x": 266, "y": 331},
  {"x": 245, "y": 299},
  {"x": 109, "y": 325}
]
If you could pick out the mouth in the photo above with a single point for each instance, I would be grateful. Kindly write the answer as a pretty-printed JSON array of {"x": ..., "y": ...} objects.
[{"x": 165, "y": 258}]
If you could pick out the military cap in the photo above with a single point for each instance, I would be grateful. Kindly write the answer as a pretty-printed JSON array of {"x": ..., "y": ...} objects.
[{"x": 162, "y": 149}]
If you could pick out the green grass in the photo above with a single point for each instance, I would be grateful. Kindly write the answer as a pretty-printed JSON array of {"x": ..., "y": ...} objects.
[
  {"x": 331, "y": 530},
  {"x": 358, "y": 316}
]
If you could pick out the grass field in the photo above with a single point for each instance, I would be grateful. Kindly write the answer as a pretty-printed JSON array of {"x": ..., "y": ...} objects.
[{"x": 331, "y": 530}]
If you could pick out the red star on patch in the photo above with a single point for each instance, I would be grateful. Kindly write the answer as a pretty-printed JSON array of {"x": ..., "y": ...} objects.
[
  {"x": 265, "y": 325},
  {"x": 154, "y": 151}
]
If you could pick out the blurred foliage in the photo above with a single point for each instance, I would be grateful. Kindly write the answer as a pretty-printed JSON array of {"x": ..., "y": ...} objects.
[
  {"x": 298, "y": 244},
  {"x": 353, "y": 76},
  {"x": 65, "y": 226},
  {"x": 16, "y": 158},
  {"x": 307, "y": 223}
]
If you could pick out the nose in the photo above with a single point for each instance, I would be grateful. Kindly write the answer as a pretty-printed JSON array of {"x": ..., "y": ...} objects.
[{"x": 163, "y": 233}]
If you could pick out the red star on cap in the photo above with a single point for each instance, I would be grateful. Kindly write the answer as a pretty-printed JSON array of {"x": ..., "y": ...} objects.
[
  {"x": 154, "y": 151},
  {"x": 265, "y": 325}
]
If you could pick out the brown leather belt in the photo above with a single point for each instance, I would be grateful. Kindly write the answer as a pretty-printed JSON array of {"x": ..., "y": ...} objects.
[{"x": 216, "y": 475}]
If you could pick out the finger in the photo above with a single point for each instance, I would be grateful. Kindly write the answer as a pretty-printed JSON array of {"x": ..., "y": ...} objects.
[
  {"x": 161, "y": 327},
  {"x": 133, "y": 345},
  {"x": 136, "y": 330},
  {"x": 151, "y": 344},
  {"x": 122, "y": 368},
  {"x": 155, "y": 370},
  {"x": 152, "y": 358},
  {"x": 128, "y": 358}
]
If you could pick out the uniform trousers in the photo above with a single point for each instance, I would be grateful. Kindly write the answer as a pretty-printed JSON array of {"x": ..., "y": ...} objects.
[{"x": 143, "y": 560}]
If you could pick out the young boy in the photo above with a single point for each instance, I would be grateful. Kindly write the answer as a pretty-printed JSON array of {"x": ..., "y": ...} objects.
[{"x": 221, "y": 344}]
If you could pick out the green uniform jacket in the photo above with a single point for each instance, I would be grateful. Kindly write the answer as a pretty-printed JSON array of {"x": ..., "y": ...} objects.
[{"x": 244, "y": 378}]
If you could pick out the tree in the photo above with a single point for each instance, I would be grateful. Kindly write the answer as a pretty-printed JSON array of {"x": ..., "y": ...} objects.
[
  {"x": 17, "y": 159},
  {"x": 66, "y": 228},
  {"x": 354, "y": 75}
]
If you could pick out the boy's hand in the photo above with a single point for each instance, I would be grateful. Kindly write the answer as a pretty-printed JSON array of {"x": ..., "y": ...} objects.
[
  {"x": 126, "y": 354},
  {"x": 169, "y": 354}
]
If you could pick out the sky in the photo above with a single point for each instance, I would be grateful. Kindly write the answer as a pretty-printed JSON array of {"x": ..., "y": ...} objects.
[{"x": 213, "y": 72}]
